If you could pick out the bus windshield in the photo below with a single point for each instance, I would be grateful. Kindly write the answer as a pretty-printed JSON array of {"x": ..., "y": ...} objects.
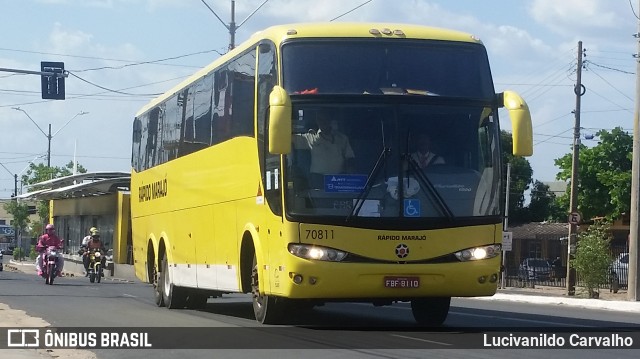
[
  {"x": 377, "y": 67},
  {"x": 350, "y": 161}
]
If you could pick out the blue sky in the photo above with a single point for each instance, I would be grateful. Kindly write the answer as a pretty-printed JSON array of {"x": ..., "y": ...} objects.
[{"x": 532, "y": 45}]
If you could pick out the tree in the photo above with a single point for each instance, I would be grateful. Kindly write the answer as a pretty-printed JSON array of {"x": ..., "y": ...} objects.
[
  {"x": 521, "y": 178},
  {"x": 20, "y": 213},
  {"x": 543, "y": 205},
  {"x": 40, "y": 173},
  {"x": 592, "y": 259},
  {"x": 604, "y": 188}
]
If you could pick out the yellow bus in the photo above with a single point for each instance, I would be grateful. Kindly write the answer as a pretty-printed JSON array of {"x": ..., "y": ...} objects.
[{"x": 293, "y": 168}]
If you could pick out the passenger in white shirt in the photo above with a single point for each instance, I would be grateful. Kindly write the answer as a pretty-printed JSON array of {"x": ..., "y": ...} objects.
[
  {"x": 330, "y": 150},
  {"x": 423, "y": 156}
]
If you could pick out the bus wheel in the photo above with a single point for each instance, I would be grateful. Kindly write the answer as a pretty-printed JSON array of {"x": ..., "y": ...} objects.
[
  {"x": 266, "y": 308},
  {"x": 430, "y": 311},
  {"x": 157, "y": 287},
  {"x": 173, "y": 296}
]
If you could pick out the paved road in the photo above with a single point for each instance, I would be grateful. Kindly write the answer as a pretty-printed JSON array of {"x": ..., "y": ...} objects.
[{"x": 514, "y": 295}]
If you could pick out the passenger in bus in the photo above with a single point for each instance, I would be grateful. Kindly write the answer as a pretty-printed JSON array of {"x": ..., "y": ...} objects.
[
  {"x": 424, "y": 156},
  {"x": 330, "y": 150}
]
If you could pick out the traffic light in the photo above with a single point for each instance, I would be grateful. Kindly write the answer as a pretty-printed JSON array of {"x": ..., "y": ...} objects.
[{"x": 52, "y": 85}]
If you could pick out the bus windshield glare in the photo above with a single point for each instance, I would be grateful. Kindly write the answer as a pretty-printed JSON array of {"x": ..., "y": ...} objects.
[
  {"x": 349, "y": 161},
  {"x": 377, "y": 66}
]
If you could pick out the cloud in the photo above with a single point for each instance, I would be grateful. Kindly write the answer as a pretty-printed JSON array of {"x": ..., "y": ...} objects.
[{"x": 571, "y": 16}]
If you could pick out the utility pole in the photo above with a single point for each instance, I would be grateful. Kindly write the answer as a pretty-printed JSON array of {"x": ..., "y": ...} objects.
[
  {"x": 49, "y": 147},
  {"x": 579, "y": 90},
  {"x": 232, "y": 25},
  {"x": 16, "y": 240},
  {"x": 634, "y": 232}
]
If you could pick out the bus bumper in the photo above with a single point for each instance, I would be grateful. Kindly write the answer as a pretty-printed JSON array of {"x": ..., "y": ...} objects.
[{"x": 304, "y": 279}]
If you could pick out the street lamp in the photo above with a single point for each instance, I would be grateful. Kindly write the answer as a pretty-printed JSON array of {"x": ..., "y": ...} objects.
[{"x": 49, "y": 136}]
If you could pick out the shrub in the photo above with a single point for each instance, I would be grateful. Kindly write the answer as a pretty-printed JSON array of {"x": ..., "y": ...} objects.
[
  {"x": 592, "y": 258},
  {"x": 33, "y": 254},
  {"x": 17, "y": 253}
]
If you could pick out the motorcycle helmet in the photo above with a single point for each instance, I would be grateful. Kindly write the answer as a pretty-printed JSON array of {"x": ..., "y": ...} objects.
[
  {"x": 49, "y": 226},
  {"x": 94, "y": 231}
]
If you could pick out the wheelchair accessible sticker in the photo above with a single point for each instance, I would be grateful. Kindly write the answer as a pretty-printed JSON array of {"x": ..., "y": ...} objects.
[{"x": 411, "y": 208}]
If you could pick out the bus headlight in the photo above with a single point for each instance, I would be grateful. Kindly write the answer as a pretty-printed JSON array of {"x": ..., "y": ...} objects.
[
  {"x": 308, "y": 251},
  {"x": 478, "y": 253}
]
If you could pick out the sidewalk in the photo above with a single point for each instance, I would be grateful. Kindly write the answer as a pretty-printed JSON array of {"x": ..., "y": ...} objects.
[{"x": 558, "y": 296}]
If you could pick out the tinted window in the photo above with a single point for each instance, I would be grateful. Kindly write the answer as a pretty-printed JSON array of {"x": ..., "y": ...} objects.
[{"x": 378, "y": 67}]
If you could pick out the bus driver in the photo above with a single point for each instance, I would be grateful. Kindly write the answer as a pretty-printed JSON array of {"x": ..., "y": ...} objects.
[{"x": 330, "y": 150}]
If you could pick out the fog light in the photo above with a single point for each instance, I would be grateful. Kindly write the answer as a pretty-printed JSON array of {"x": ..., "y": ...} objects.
[
  {"x": 482, "y": 279},
  {"x": 297, "y": 279},
  {"x": 493, "y": 278}
]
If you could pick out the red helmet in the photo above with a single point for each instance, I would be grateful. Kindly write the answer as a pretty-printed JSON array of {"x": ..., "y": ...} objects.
[{"x": 49, "y": 226}]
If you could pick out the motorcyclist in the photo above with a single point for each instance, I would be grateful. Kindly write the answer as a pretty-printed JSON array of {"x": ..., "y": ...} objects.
[
  {"x": 83, "y": 248},
  {"x": 49, "y": 239},
  {"x": 87, "y": 238},
  {"x": 95, "y": 244}
]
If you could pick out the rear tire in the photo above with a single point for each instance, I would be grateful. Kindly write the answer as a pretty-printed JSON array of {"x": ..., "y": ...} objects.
[
  {"x": 157, "y": 286},
  {"x": 267, "y": 309},
  {"x": 173, "y": 296},
  {"x": 431, "y": 311}
]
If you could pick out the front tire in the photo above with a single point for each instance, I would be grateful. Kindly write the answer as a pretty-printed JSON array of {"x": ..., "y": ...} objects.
[
  {"x": 98, "y": 272},
  {"x": 51, "y": 273},
  {"x": 267, "y": 309},
  {"x": 174, "y": 297},
  {"x": 431, "y": 311}
]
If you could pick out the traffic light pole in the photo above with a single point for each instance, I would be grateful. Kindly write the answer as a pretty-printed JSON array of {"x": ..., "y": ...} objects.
[{"x": 64, "y": 74}]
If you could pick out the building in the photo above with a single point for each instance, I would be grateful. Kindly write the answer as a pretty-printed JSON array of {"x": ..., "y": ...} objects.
[{"x": 82, "y": 201}]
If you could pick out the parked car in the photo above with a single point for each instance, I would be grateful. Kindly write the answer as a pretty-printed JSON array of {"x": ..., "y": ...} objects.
[
  {"x": 1, "y": 264},
  {"x": 535, "y": 269},
  {"x": 620, "y": 271}
]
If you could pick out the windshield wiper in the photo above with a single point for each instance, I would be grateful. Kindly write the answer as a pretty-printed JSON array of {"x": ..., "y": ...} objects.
[
  {"x": 369, "y": 184},
  {"x": 426, "y": 182}
]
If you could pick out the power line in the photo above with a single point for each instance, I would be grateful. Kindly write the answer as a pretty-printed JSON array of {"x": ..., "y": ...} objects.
[
  {"x": 609, "y": 68},
  {"x": 152, "y": 62},
  {"x": 111, "y": 90},
  {"x": 352, "y": 10}
]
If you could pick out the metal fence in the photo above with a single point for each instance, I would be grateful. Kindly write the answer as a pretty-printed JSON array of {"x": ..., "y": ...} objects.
[{"x": 555, "y": 276}]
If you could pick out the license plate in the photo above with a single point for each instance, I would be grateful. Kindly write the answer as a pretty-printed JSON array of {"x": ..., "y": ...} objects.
[{"x": 401, "y": 282}]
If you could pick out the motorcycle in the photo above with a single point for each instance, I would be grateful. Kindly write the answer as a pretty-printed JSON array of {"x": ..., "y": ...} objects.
[
  {"x": 96, "y": 259},
  {"x": 50, "y": 264}
]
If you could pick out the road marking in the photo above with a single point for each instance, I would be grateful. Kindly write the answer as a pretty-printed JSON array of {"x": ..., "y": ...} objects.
[
  {"x": 128, "y": 295},
  {"x": 419, "y": 339}
]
